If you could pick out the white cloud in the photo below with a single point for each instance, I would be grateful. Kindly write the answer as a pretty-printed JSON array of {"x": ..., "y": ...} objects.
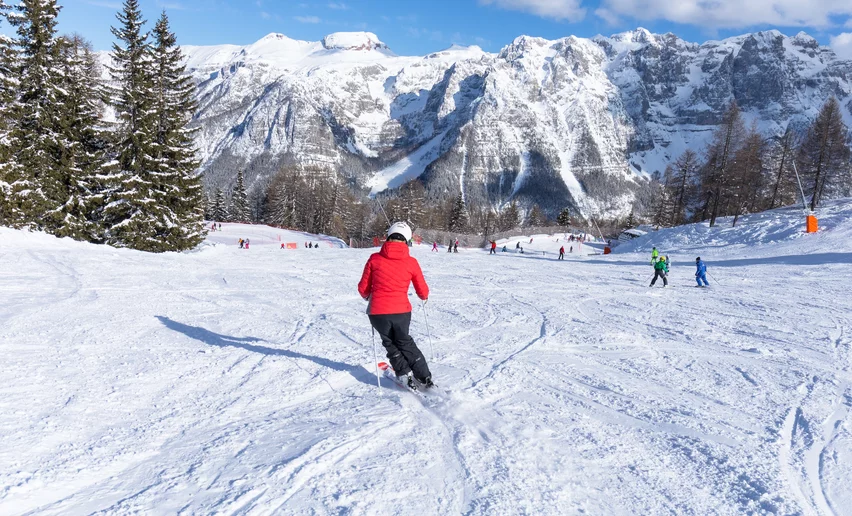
[
  {"x": 842, "y": 45},
  {"x": 307, "y": 19},
  {"x": 732, "y": 14},
  {"x": 556, "y": 9},
  {"x": 849, "y": 23},
  {"x": 265, "y": 15},
  {"x": 338, "y": 6}
]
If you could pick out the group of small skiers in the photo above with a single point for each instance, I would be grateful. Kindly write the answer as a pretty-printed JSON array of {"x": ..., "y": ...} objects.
[
  {"x": 661, "y": 269},
  {"x": 244, "y": 244},
  {"x": 311, "y": 245},
  {"x": 452, "y": 247},
  {"x": 216, "y": 226}
]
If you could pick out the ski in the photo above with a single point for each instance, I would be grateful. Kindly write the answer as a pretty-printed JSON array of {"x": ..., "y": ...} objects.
[
  {"x": 422, "y": 390},
  {"x": 390, "y": 374}
]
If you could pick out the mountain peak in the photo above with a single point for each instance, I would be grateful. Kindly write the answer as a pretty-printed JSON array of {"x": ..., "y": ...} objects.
[{"x": 353, "y": 41}]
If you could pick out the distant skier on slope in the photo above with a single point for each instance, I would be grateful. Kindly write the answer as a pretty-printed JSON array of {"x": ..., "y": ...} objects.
[
  {"x": 562, "y": 253},
  {"x": 701, "y": 272},
  {"x": 655, "y": 255},
  {"x": 456, "y": 247},
  {"x": 493, "y": 247},
  {"x": 660, "y": 270},
  {"x": 384, "y": 284},
  {"x": 435, "y": 246}
]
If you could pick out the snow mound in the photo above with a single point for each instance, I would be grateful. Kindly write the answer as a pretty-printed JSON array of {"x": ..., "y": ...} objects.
[
  {"x": 353, "y": 41},
  {"x": 760, "y": 233}
]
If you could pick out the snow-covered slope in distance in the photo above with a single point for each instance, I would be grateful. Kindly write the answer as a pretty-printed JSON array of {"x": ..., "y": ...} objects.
[
  {"x": 568, "y": 122},
  {"x": 228, "y": 380}
]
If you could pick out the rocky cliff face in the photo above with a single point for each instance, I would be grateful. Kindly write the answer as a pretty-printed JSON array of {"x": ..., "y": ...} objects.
[{"x": 571, "y": 122}]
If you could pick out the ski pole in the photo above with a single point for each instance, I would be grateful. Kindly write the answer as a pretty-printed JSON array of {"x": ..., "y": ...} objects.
[
  {"x": 713, "y": 277},
  {"x": 376, "y": 361},
  {"x": 428, "y": 331}
]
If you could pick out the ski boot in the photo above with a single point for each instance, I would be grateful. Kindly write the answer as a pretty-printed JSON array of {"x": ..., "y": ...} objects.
[{"x": 408, "y": 379}]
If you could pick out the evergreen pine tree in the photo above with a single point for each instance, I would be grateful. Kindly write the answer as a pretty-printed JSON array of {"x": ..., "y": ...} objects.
[
  {"x": 511, "y": 217},
  {"x": 39, "y": 178},
  {"x": 458, "y": 219},
  {"x": 85, "y": 152},
  {"x": 631, "y": 220},
  {"x": 176, "y": 185},
  {"x": 536, "y": 217},
  {"x": 239, "y": 210},
  {"x": 131, "y": 216},
  {"x": 564, "y": 218},
  {"x": 219, "y": 211},
  {"x": 8, "y": 89}
]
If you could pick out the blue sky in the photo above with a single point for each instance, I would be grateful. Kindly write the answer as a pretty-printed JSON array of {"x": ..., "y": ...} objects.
[{"x": 416, "y": 28}]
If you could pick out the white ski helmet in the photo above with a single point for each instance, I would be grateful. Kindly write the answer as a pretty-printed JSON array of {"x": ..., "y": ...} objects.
[{"x": 401, "y": 228}]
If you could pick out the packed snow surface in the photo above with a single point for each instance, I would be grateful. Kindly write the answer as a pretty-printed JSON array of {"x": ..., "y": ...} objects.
[{"x": 241, "y": 381}]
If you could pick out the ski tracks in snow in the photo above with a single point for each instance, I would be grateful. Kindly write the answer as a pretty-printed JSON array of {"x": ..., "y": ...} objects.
[{"x": 812, "y": 430}]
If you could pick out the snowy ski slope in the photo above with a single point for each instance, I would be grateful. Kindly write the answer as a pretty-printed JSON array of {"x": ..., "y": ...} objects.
[{"x": 228, "y": 381}]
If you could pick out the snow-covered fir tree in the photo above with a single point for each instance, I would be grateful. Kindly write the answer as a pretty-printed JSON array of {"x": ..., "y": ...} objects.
[
  {"x": 564, "y": 218},
  {"x": 38, "y": 178},
  {"x": 8, "y": 89},
  {"x": 536, "y": 217},
  {"x": 219, "y": 210},
  {"x": 511, "y": 217},
  {"x": 176, "y": 185},
  {"x": 458, "y": 219},
  {"x": 132, "y": 216},
  {"x": 239, "y": 210},
  {"x": 87, "y": 140}
]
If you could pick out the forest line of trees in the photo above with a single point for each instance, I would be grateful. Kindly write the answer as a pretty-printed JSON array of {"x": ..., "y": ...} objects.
[
  {"x": 65, "y": 170},
  {"x": 315, "y": 199},
  {"x": 743, "y": 172}
]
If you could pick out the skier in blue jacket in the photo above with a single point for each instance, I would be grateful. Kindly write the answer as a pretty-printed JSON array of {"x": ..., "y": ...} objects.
[{"x": 701, "y": 272}]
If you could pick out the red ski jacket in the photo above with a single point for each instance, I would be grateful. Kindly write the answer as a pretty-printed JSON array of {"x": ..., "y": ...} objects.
[{"x": 386, "y": 278}]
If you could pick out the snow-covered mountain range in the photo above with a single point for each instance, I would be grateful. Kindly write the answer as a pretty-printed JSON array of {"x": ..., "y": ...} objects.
[{"x": 568, "y": 122}]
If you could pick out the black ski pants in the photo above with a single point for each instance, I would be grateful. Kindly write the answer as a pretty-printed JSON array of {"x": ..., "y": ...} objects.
[
  {"x": 403, "y": 353},
  {"x": 659, "y": 274}
]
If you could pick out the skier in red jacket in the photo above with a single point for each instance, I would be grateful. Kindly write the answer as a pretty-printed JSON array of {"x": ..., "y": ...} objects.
[{"x": 387, "y": 276}]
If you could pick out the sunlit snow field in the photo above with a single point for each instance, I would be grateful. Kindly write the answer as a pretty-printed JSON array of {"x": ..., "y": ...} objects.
[{"x": 241, "y": 381}]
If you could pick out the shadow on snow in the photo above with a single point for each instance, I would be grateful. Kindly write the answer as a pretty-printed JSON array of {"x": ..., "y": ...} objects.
[{"x": 248, "y": 343}]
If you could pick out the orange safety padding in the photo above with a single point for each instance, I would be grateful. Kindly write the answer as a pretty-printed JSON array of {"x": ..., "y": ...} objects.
[
  {"x": 607, "y": 250},
  {"x": 812, "y": 224},
  {"x": 292, "y": 245}
]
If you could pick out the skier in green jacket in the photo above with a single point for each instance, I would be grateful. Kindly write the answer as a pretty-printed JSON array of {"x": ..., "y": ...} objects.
[{"x": 660, "y": 270}]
